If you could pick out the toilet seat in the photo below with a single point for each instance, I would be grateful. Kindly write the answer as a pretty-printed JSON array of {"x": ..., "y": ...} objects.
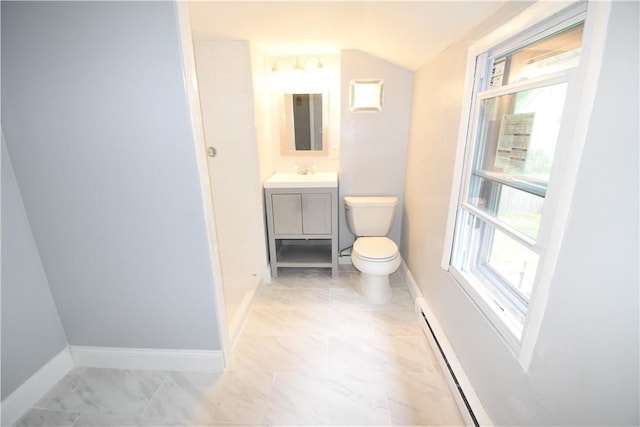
[{"x": 375, "y": 249}]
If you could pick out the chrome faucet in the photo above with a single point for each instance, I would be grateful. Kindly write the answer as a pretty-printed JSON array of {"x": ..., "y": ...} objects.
[{"x": 306, "y": 170}]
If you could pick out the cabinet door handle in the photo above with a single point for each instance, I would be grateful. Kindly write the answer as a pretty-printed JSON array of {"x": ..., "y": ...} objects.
[{"x": 212, "y": 152}]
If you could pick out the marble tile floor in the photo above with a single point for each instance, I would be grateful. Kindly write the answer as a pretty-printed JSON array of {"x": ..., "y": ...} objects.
[{"x": 313, "y": 352}]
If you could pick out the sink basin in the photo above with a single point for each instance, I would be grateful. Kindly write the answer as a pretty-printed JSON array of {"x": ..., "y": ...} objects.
[{"x": 295, "y": 180}]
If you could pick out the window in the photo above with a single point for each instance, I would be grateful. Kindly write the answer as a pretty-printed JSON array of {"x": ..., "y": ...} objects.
[{"x": 516, "y": 116}]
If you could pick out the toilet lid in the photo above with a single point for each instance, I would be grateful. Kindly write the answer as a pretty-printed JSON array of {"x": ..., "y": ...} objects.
[{"x": 375, "y": 248}]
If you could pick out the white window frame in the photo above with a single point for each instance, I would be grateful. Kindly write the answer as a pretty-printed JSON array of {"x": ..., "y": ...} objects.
[{"x": 578, "y": 106}]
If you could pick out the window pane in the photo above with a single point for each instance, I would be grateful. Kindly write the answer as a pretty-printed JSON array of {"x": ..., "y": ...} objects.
[
  {"x": 517, "y": 137},
  {"x": 555, "y": 53},
  {"x": 485, "y": 248},
  {"x": 514, "y": 262},
  {"x": 514, "y": 207}
]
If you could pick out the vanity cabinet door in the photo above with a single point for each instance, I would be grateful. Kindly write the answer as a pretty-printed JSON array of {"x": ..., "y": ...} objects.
[
  {"x": 287, "y": 213},
  {"x": 316, "y": 213}
]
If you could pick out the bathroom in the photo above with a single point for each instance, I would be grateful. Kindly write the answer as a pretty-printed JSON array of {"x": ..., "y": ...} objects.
[
  {"x": 111, "y": 257},
  {"x": 367, "y": 150}
]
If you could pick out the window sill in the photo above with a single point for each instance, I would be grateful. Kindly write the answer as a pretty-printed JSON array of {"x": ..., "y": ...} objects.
[{"x": 506, "y": 325}]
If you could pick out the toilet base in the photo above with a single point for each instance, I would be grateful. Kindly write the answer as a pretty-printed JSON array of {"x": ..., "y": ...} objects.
[{"x": 375, "y": 288}]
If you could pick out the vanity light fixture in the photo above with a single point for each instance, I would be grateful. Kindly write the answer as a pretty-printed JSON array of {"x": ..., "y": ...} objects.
[
  {"x": 365, "y": 95},
  {"x": 296, "y": 66},
  {"x": 318, "y": 65}
]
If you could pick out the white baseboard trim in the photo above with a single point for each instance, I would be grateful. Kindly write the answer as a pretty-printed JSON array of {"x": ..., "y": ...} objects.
[
  {"x": 414, "y": 290},
  {"x": 248, "y": 302},
  {"x": 266, "y": 277},
  {"x": 451, "y": 361},
  {"x": 148, "y": 359},
  {"x": 32, "y": 390}
]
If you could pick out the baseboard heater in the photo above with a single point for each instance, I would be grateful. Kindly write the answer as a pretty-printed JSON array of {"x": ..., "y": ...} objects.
[
  {"x": 472, "y": 417},
  {"x": 457, "y": 385}
]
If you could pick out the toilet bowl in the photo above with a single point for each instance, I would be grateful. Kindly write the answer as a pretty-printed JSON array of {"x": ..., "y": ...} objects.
[
  {"x": 373, "y": 254},
  {"x": 376, "y": 258}
]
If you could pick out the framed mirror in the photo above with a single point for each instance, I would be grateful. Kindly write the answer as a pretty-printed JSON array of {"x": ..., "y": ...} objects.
[{"x": 304, "y": 124}]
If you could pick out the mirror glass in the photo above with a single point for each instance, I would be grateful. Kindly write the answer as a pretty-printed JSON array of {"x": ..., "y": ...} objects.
[{"x": 303, "y": 130}]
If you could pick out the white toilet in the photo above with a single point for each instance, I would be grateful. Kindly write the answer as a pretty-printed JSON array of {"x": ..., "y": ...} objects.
[{"x": 373, "y": 254}]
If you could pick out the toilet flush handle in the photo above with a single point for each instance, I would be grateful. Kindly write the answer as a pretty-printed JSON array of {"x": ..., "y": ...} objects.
[{"x": 212, "y": 152}]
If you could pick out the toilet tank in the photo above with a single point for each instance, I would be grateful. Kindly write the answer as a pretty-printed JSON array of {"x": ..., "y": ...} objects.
[{"x": 370, "y": 216}]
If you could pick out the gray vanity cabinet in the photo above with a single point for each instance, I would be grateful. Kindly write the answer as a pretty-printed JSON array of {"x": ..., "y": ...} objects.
[{"x": 302, "y": 225}]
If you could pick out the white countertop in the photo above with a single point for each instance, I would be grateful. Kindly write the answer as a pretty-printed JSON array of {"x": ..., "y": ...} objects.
[{"x": 295, "y": 180}]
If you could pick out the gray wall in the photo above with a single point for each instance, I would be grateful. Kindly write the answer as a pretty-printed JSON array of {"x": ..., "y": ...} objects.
[
  {"x": 584, "y": 369},
  {"x": 96, "y": 122},
  {"x": 31, "y": 330},
  {"x": 373, "y": 145}
]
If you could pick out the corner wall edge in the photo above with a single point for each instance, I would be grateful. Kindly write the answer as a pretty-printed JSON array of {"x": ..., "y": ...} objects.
[{"x": 31, "y": 391}]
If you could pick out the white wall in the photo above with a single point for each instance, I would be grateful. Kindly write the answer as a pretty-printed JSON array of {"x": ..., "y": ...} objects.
[
  {"x": 584, "y": 369},
  {"x": 373, "y": 145},
  {"x": 96, "y": 121},
  {"x": 263, "y": 114},
  {"x": 32, "y": 333},
  {"x": 225, "y": 80}
]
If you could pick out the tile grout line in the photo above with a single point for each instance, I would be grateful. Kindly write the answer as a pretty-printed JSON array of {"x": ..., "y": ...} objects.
[{"x": 153, "y": 395}]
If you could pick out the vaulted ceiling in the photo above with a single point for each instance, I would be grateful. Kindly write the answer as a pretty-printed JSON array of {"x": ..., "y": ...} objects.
[{"x": 405, "y": 33}]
